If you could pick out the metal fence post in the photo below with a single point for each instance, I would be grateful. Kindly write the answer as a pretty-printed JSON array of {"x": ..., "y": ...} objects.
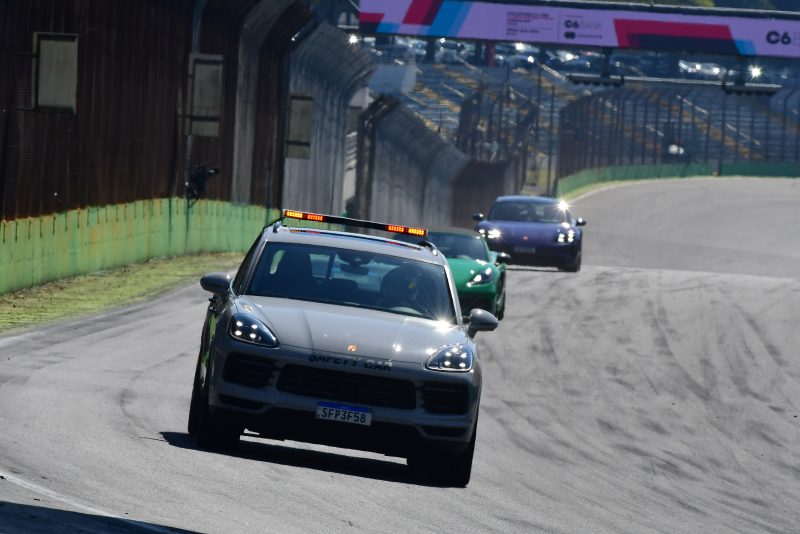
[
  {"x": 550, "y": 141},
  {"x": 619, "y": 129},
  {"x": 738, "y": 130},
  {"x": 724, "y": 128},
  {"x": 679, "y": 136},
  {"x": 796, "y": 136},
  {"x": 766, "y": 133},
  {"x": 752, "y": 151},
  {"x": 708, "y": 138},
  {"x": 585, "y": 135},
  {"x": 633, "y": 128},
  {"x": 655, "y": 130},
  {"x": 593, "y": 133},
  {"x": 644, "y": 128},
  {"x": 783, "y": 129}
]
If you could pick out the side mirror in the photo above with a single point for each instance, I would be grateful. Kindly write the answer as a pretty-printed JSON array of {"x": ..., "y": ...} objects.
[
  {"x": 580, "y": 222},
  {"x": 481, "y": 321},
  {"x": 503, "y": 257},
  {"x": 478, "y": 216},
  {"x": 217, "y": 283}
]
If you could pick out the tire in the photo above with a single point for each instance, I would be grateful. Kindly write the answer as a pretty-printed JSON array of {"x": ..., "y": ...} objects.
[
  {"x": 210, "y": 430},
  {"x": 501, "y": 309},
  {"x": 454, "y": 471},
  {"x": 458, "y": 471},
  {"x": 575, "y": 266},
  {"x": 194, "y": 405}
]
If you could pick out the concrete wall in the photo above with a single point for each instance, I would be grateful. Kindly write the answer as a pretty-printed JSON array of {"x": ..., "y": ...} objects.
[
  {"x": 414, "y": 171},
  {"x": 394, "y": 79},
  {"x": 255, "y": 27},
  {"x": 325, "y": 67},
  {"x": 478, "y": 185}
]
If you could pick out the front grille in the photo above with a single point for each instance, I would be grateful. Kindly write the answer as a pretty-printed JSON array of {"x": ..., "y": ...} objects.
[
  {"x": 247, "y": 370},
  {"x": 347, "y": 387},
  {"x": 445, "y": 398}
]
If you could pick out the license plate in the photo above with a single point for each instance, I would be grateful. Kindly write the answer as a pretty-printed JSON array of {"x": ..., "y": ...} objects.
[
  {"x": 330, "y": 411},
  {"x": 525, "y": 250}
]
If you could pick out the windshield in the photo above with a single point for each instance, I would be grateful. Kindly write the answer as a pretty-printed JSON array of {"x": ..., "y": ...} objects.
[
  {"x": 460, "y": 246},
  {"x": 353, "y": 278},
  {"x": 528, "y": 212}
]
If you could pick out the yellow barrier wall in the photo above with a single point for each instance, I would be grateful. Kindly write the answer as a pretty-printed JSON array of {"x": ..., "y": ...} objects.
[{"x": 38, "y": 250}]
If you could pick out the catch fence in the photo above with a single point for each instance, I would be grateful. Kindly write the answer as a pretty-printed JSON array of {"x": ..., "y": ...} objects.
[{"x": 640, "y": 124}]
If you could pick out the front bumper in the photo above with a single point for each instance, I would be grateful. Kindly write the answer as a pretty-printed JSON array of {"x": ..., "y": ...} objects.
[
  {"x": 548, "y": 255},
  {"x": 275, "y": 393}
]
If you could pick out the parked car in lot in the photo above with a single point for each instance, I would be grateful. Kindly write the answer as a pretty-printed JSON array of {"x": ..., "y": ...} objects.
[
  {"x": 342, "y": 339},
  {"x": 479, "y": 273},
  {"x": 534, "y": 230}
]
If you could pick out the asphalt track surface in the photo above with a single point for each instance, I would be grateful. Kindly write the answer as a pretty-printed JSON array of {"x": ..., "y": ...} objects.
[{"x": 656, "y": 391}]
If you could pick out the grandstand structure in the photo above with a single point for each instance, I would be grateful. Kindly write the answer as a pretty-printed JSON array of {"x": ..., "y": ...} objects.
[
  {"x": 645, "y": 121},
  {"x": 674, "y": 106}
]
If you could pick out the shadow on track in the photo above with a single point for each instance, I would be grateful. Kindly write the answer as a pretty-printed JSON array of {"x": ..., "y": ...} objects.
[
  {"x": 25, "y": 518},
  {"x": 309, "y": 459}
]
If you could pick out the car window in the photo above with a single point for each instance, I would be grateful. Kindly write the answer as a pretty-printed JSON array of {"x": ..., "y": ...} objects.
[
  {"x": 245, "y": 266},
  {"x": 459, "y": 246},
  {"x": 353, "y": 278},
  {"x": 527, "y": 212}
]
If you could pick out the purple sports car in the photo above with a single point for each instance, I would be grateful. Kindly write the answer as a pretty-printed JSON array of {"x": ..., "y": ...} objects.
[{"x": 534, "y": 230}]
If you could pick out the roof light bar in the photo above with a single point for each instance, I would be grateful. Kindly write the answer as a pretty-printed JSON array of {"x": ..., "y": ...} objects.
[{"x": 333, "y": 219}]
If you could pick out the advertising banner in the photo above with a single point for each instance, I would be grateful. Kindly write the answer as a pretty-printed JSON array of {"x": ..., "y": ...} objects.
[{"x": 583, "y": 27}]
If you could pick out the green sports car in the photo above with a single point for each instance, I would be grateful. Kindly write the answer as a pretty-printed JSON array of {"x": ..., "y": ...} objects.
[{"x": 479, "y": 273}]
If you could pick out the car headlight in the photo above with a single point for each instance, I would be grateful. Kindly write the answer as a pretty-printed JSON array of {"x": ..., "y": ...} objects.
[
  {"x": 483, "y": 277},
  {"x": 494, "y": 233},
  {"x": 566, "y": 236},
  {"x": 456, "y": 358},
  {"x": 250, "y": 330}
]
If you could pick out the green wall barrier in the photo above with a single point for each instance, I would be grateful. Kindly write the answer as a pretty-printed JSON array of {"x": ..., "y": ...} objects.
[
  {"x": 38, "y": 250},
  {"x": 590, "y": 177},
  {"x": 760, "y": 168}
]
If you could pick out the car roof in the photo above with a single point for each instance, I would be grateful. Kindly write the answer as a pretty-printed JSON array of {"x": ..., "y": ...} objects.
[
  {"x": 527, "y": 198},
  {"x": 353, "y": 241}
]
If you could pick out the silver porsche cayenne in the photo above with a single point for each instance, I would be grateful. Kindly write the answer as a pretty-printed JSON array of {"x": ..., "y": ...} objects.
[{"x": 342, "y": 339}]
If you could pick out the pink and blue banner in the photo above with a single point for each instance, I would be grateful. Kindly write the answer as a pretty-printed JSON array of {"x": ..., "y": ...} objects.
[{"x": 583, "y": 26}]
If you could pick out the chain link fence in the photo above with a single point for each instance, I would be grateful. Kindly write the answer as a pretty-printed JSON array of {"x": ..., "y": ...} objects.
[{"x": 666, "y": 125}]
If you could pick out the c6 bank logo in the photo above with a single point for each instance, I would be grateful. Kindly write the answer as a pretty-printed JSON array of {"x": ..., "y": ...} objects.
[{"x": 784, "y": 38}]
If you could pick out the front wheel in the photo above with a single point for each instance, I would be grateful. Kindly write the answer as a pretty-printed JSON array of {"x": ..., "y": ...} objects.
[
  {"x": 211, "y": 430},
  {"x": 196, "y": 402},
  {"x": 453, "y": 469},
  {"x": 500, "y": 304},
  {"x": 575, "y": 266}
]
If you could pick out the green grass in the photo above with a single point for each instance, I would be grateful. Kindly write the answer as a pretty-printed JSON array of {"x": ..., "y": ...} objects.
[{"x": 93, "y": 293}]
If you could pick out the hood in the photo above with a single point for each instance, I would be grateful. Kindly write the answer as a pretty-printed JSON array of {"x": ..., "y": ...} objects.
[
  {"x": 521, "y": 232},
  {"x": 327, "y": 328},
  {"x": 464, "y": 270}
]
